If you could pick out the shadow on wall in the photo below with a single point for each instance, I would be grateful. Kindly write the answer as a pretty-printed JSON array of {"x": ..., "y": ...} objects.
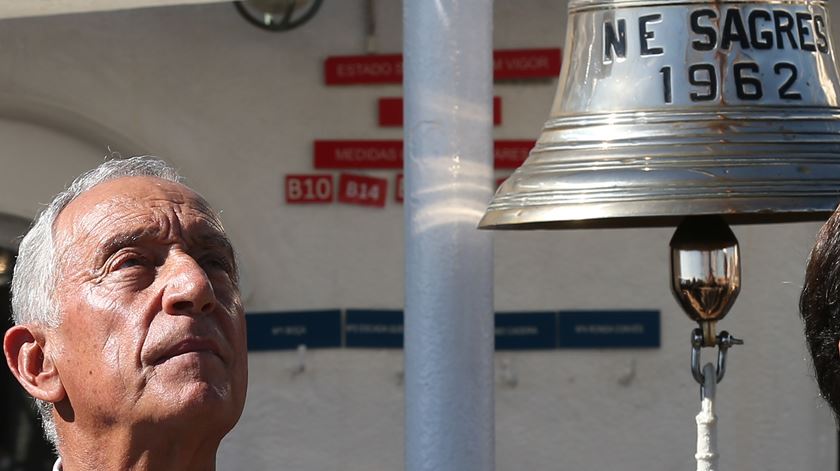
[
  {"x": 63, "y": 121},
  {"x": 43, "y": 147},
  {"x": 22, "y": 445}
]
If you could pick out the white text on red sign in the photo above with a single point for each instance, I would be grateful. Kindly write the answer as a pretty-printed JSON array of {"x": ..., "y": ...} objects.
[
  {"x": 309, "y": 189},
  {"x": 362, "y": 190}
]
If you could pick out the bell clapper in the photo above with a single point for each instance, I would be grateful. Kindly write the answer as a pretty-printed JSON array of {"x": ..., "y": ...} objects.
[{"x": 706, "y": 280}]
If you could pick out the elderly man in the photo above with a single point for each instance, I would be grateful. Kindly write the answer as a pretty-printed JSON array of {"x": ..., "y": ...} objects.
[{"x": 129, "y": 331}]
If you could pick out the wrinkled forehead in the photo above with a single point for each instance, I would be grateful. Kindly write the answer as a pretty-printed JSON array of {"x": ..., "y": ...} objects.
[{"x": 132, "y": 205}]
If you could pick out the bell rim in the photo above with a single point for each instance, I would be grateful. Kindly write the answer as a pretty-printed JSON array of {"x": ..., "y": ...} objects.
[{"x": 530, "y": 219}]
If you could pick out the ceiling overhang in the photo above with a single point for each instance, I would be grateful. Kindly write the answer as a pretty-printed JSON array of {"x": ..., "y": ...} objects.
[{"x": 20, "y": 9}]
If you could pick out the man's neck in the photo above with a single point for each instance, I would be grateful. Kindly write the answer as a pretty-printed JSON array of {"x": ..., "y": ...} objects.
[{"x": 123, "y": 451}]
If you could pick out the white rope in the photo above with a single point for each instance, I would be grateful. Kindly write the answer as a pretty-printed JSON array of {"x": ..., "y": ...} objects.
[{"x": 707, "y": 453}]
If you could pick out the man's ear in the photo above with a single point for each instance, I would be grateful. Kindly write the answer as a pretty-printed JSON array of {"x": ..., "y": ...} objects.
[{"x": 34, "y": 370}]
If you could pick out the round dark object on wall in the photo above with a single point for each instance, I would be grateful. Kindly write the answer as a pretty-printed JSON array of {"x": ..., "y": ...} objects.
[{"x": 278, "y": 15}]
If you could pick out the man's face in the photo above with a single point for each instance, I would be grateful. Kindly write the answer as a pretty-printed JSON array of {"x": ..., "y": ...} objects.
[{"x": 152, "y": 328}]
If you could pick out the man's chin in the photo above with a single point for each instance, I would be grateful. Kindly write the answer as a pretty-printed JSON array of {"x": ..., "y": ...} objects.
[
  {"x": 196, "y": 406},
  {"x": 197, "y": 399}
]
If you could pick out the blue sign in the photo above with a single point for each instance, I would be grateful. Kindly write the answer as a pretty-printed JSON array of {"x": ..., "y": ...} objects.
[
  {"x": 288, "y": 330},
  {"x": 369, "y": 328},
  {"x": 526, "y": 331},
  {"x": 609, "y": 329}
]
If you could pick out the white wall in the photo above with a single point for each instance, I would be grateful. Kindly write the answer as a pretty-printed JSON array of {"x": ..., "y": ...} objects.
[{"x": 237, "y": 108}]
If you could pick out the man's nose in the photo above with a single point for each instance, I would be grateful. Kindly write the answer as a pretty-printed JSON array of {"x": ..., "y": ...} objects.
[{"x": 187, "y": 289}]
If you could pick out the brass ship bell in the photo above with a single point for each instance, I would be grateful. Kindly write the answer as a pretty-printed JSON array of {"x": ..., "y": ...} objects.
[{"x": 670, "y": 110}]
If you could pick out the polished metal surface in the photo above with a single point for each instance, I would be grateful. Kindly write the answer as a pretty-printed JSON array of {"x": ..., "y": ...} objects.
[
  {"x": 705, "y": 271},
  {"x": 666, "y": 109}
]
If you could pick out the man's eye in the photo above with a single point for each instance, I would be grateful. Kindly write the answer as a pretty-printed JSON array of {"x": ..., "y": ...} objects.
[
  {"x": 128, "y": 263},
  {"x": 216, "y": 263}
]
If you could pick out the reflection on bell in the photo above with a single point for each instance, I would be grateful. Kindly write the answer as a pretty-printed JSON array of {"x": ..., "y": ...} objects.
[
  {"x": 705, "y": 270},
  {"x": 666, "y": 109}
]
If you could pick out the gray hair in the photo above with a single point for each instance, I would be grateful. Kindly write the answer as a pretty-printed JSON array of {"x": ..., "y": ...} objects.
[{"x": 34, "y": 280}]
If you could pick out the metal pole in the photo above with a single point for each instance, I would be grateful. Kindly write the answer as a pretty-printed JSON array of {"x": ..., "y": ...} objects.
[{"x": 449, "y": 423}]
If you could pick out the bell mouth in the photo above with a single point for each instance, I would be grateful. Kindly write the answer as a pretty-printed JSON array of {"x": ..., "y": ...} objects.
[{"x": 518, "y": 220}]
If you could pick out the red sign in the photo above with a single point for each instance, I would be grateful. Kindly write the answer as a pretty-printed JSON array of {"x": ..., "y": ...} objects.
[
  {"x": 381, "y": 155},
  {"x": 358, "y": 154},
  {"x": 508, "y": 64},
  {"x": 362, "y": 190},
  {"x": 511, "y": 154},
  {"x": 391, "y": 111},
  {"x": 526, "y": 64},
  {"x": 309, "y": 189},
  {"x": 399, "y": 188},
  {"x": 374, "y": 68}
]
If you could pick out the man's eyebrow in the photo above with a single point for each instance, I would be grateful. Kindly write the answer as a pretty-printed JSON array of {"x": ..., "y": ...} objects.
[
  {"x": 213, "y": 240},
  {"x": 124, "y": 239},
  {"x": 205, "y": 240}
]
